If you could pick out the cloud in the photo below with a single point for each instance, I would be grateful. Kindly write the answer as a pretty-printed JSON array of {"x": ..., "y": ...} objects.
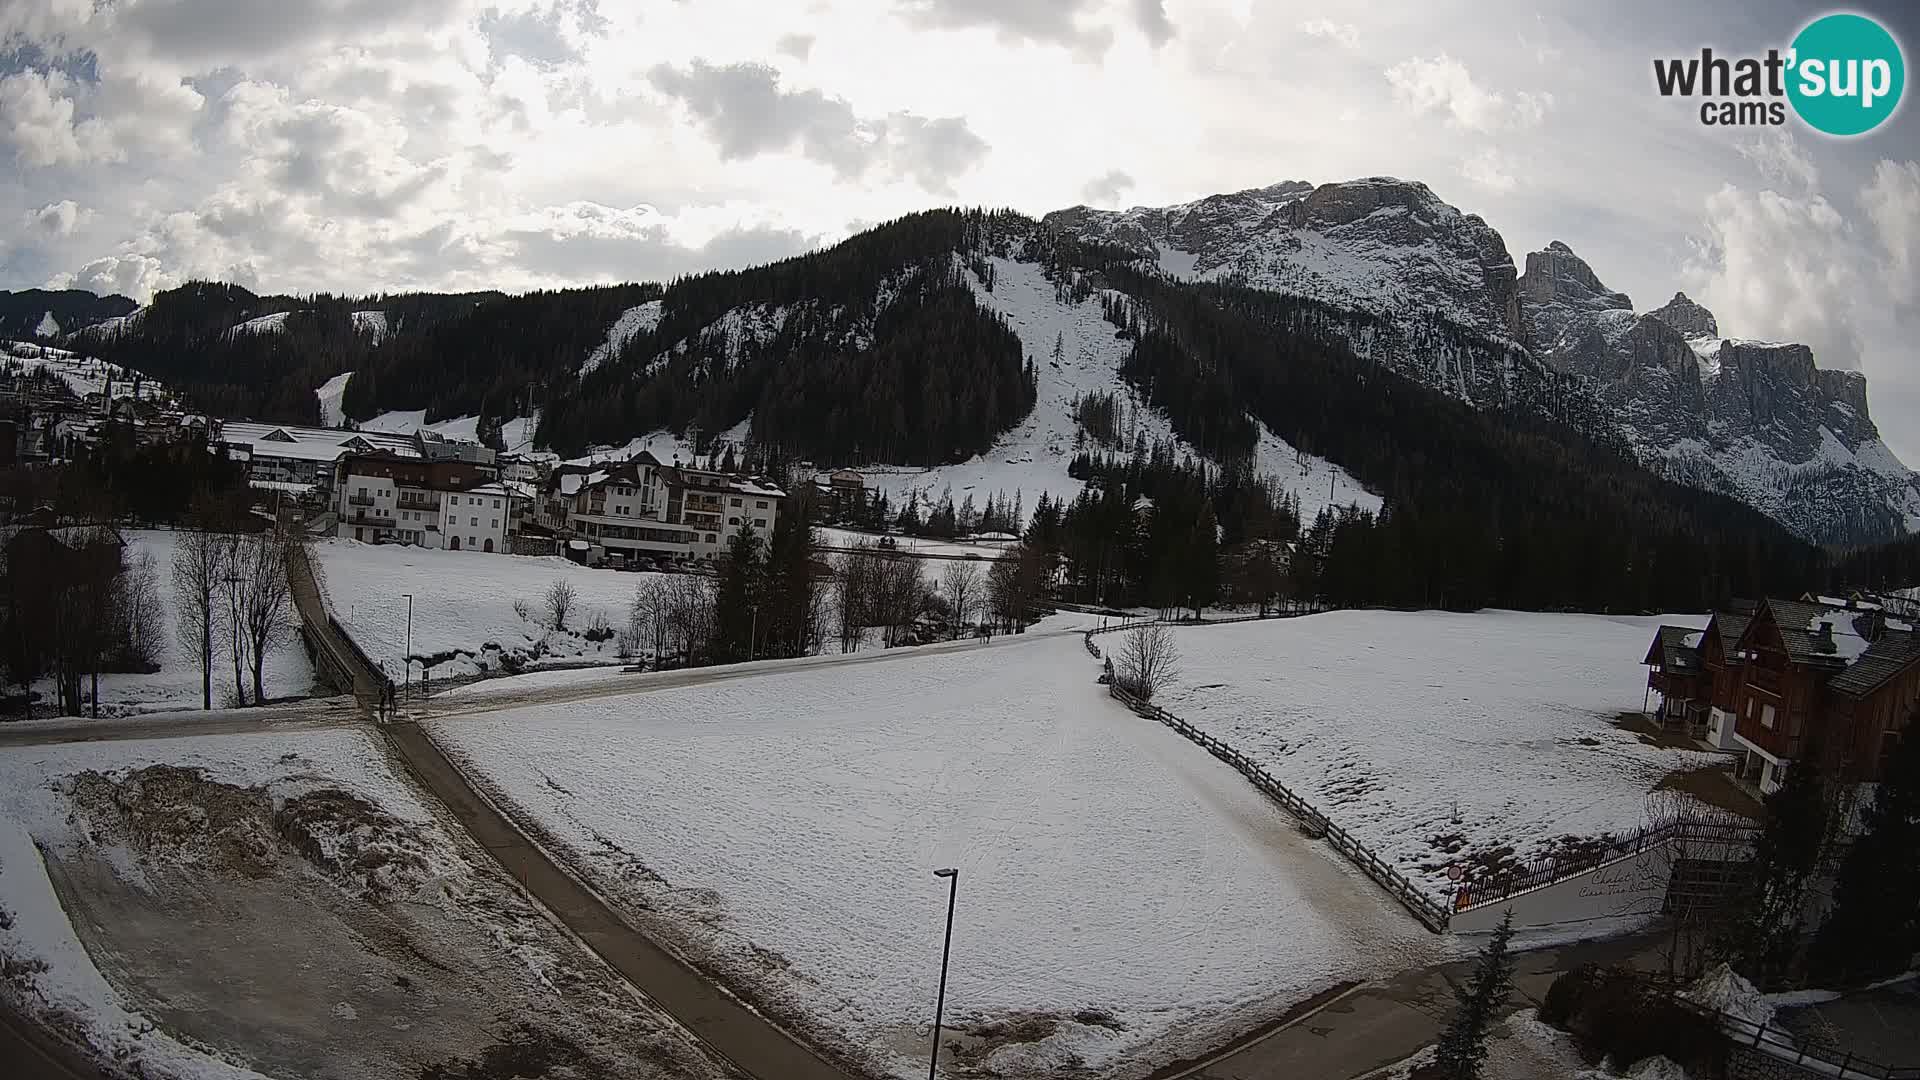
[
  {"x": 747, "y": 113},
  {"x": 1052, "y": 22},
  {"x": 798, "y": 46},
  {"x": 1152, "y": 16},
  {"x": 1892, "y": 202},
  {"x": 1444, "y": 85},
  {"x": 1490, "y": 169},
  {"x": 1781, "y": 160},
  {"x": 137, "y": 276},
  {"x": 57, "y": 218},
  {"x": 1107, "y": 189},
  {"x": 1344, "y": 34},
  {"x": 36, "y": 120}
]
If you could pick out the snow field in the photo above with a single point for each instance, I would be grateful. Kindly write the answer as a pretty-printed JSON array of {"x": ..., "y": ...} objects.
[
  {"x": 783, "y": 828},
  {"x": 1433, "y": 737},
  {"x": 464, "y": 620}
]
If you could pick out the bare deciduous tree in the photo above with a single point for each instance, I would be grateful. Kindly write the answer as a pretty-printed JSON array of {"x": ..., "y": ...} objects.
[
  {"x": 265, "y": 606},
  {"x": 197, "y": 569},
  {"x": 140, "y": 618},
  {"x": 961, "y": 583},
  {"x": 561, "y": 598},
  {"x": 854, "y": 581},
  {"x": 1148, "y": 660}
]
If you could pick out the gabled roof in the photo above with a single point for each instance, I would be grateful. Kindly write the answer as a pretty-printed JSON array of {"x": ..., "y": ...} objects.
[
  {"x": 1799, "y": 624},
  {"x": 1729, "y": 625},
  {"x": 1895, "y": 652},
  {"x": 1675, "y": 648}
]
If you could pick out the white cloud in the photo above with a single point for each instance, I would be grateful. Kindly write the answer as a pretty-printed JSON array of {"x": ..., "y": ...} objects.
[
  {"x": 57, "y": 218},
  {"x": 137, "y": 276},
  {"x": 1345, "y": 34},
  {"x": 1443, "y": 84},
  {"x": 1107, "y": 189},
  {"x": 1892, "y": 202},
  {"x": 1490, "y": 169},
  {"x": 1781, "y": 160}
]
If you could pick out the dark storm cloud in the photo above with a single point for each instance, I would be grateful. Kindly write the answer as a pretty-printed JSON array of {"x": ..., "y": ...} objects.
[{"x": 745, "y": 110}]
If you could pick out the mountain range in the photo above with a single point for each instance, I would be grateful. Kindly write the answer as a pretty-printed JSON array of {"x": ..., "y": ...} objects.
[{"x": 956, "y": 350}]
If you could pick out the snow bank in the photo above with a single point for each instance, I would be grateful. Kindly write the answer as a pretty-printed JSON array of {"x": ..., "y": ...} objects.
[
  {"x": 330, "y": 393},
  {"x": 783, "y": 829},
  {"x": 1435, "y": 737},
  {"x": 1724, "y": 989}
]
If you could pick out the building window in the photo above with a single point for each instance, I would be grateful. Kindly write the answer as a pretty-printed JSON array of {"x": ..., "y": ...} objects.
[
  {"x": 736, "y": 502},
  {"x": 733, "y": 521},
  {"x": 496, "y": 504},
  {"x": 471, "y": 541},
  {"x": 760, "y": 505},
  {"x": 474, "y": 522},
  {"x": 496, "y": 524},
  {"x": 759, "y": 523},
  {"x": 711, "y": 539},
  {"x": 1766, "y": 716}
]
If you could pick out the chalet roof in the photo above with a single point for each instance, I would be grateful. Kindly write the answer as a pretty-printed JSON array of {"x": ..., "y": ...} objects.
[
  {"x": 1677, "y": 648},
  {"x": 1895, "y": 652},
  {"x": 1799, "y": 624},
  {"x": 1730, "y": 625}
]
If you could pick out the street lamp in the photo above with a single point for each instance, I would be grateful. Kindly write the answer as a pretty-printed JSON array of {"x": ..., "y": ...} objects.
[
  {"x": 406, "y": 658},
  {"x": 940, "y": 1006}
]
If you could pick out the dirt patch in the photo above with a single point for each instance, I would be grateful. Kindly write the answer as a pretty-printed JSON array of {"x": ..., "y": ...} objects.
[
  {"x": 1652, "y": 734},
  {"x": 1713, "y": 785},
  {"x": 527, "y": 1053},
  {"x": 175, "y": 813},
  {"x": 976, "y": 1044}
]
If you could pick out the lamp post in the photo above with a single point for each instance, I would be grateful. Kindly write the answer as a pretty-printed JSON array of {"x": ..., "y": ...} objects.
[
  {"x": 940, "y": 1005},
  {"x": 406, "y": 658}
]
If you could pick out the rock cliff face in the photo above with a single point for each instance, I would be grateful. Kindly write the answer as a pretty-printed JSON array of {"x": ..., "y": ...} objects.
[{"x": 1756, "y": 420}]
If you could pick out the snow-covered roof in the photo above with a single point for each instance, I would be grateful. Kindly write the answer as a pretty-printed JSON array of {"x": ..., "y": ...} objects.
[{"x": 310, "y": 444}]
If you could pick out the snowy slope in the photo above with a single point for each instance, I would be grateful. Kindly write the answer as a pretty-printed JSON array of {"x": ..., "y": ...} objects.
[
  {"x": 48, "y": 327},
  {"x": 1432, "y": 736},
  {"x": 330, "y": 393},
  {"x": 782, "y": 829},
  {"x": 83, "y": 374},
  {"x": 371, "y": 323},
  {"x": 1033, "y": 457},
  {"x": 265, "y": 324},
  {"x": 636, "y": 320}
]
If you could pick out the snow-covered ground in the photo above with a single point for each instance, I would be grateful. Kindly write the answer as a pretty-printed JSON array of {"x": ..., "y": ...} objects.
[
  {"x": 1433, "y": 737},
  {"x": 1033, "y": 457},
  {"x": 329, "y": 393},
  {"x": 227, "y": 907},
  {"x": 274, "y": 323},
  {"x": 408, "y": 421},
  {"x": 463, "y": 606},
  {"x": 636, "y": 320},
  {"x": 176, "y": 685},
  {"x": 1133, "y": 897},
  {"x": 83, "y": 374},
  {"x": 917, "y": 545},
  {"x": 372, "y": 323}
]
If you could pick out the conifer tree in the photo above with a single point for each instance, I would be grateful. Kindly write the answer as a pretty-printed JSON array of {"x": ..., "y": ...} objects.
[
  {"x": 1462, "y": 1049},
  {"x": 1874, "y": 928}
]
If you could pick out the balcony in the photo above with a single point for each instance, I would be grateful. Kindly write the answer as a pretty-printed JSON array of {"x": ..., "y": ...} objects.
[
  {"x": 419, "y": 503},
  {"x": 360, "y": 500}
]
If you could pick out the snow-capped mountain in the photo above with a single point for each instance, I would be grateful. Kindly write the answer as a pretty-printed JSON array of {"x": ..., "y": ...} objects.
[{"x": 1755, "y": 420}]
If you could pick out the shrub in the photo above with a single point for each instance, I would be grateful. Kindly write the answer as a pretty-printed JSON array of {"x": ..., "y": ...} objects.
[{"x": 1616, "y": 1015}]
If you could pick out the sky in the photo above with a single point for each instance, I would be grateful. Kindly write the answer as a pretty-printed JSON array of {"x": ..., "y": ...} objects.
[{"x": 360, "y": 146}]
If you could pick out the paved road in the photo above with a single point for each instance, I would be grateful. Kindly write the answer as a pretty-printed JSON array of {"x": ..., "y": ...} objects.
[
  {"x": 1380, "y": 1023},
  {"x": 727, "y": 1026},
  {"x": 279, "y": 719}
]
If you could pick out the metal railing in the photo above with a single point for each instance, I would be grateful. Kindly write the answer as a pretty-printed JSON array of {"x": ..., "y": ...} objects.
[{"x": 1553, "y": 869}]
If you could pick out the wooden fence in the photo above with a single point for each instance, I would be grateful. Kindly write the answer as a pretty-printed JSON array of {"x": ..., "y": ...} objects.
[{"x": 1547, "y": 871}]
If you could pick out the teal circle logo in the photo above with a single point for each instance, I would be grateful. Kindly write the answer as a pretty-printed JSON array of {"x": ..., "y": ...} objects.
[{"x": 1847, "y": 74}]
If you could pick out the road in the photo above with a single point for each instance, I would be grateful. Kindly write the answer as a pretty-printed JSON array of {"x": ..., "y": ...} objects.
[
  {"x": 722, "y": 1022},
  {"x": 30, "y": 1053},
  {"x": 272, "y": 719}
]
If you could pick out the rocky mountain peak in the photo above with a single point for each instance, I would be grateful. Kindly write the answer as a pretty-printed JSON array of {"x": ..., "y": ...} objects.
[
  {"x": 1689, "y": 318},
  {"x": 1555, "y": 275}
]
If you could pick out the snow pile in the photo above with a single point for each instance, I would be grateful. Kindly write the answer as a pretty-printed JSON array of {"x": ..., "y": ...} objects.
[
  {"x": 1120, "y": 892},
  {"x": 1724, "y": 989},
  {"x": 636, "y": 320},
  {"x": 465, "y": 620},
  {"x": 330, "y": 393},
  {"x": 1438, "y": 738}
]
